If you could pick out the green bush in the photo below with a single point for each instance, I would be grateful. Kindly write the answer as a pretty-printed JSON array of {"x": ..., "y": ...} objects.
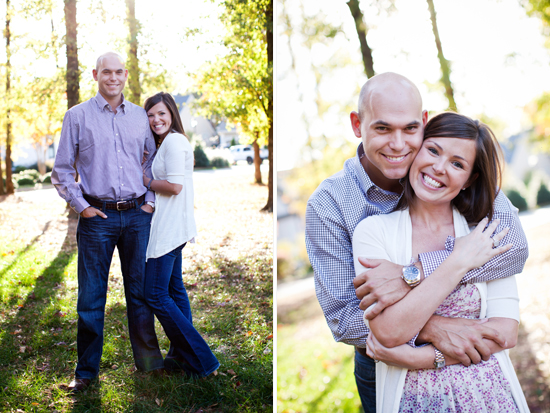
[
  {"x": 28, "y": 174},
  {"x": 46, "y": 178},
  {"x": 516, "y": 199},
  {"x": 201, "y": 160},
  {"x": 218, "y": 162},
  {"x": 543, "y": 195},
  {"x": 25, "y": 181}
]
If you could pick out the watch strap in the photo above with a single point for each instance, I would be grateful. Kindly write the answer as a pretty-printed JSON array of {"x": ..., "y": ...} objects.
[{"x": 439, "y": 361}]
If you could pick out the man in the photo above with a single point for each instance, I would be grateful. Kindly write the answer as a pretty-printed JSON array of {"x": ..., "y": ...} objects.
[
  {"x": 390, "y": 122},
  {"x": 104, "y": 140}
]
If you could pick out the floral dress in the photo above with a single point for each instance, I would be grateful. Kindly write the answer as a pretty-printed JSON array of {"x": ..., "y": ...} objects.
[{"x": 478, "y": 388}]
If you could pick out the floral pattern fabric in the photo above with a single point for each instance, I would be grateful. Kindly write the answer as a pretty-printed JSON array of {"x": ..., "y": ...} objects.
[{"x": 478, "y": 388}]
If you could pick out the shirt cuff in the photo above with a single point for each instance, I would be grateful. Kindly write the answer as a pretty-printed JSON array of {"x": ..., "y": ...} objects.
[
  {"x": 150, "y": 196},
  {"x": 431, "y": 260},
  {"x": 79, "y": 204}
]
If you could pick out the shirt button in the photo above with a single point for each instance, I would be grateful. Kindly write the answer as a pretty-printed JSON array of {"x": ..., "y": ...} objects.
[
  {"x": 118, "y": 150},
  {"x": 121, "y": 167},
  {"x": 121, "y": 184},
  {"x": 116, "y": 134}
]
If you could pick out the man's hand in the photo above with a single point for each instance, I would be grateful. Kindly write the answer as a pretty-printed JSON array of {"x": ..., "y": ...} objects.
[
  {"x": 461, "y": 338},
  {"x": 382, "y": 284},
  {"x": 91, "y": 211},
  {"x": 147, "y": 208}
]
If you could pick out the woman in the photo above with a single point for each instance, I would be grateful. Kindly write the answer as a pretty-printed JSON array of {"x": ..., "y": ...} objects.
[
  {"x": 172, "y": 226},
  {"x": 451, "y": 185}
]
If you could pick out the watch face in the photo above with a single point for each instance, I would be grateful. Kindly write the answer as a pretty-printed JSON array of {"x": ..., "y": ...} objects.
[{"x": 411, "y": 273}]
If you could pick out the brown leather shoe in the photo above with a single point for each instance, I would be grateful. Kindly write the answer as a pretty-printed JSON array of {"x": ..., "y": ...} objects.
[
  {"x": 78, "y": 385},
  {"x": 162, "y": 372}
]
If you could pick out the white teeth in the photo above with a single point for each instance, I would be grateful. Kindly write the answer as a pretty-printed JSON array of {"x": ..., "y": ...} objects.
[
  {"x": 431, "y": 181},
  {"x": 395, "y": 158}
]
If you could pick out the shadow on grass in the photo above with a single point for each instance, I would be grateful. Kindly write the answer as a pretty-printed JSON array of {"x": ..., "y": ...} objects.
[
  {"x": 533, "y": 382},
  {"x": 22, "y": 252},
  {"x": 24, "y": 343}
]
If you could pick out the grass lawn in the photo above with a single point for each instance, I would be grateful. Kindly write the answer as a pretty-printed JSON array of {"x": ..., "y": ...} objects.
[
  {"x": 314, "y": 373},
  {"x": 228, "y": 274}
]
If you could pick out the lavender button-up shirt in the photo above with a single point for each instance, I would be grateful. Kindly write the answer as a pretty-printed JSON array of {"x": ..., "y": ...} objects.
[{"x": 106, "y": 149}]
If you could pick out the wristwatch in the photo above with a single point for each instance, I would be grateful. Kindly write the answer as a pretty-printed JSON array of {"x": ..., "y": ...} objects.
[
  {"x": 151, "y": 204},
  {"x": 411, "y": 275},
  {"x": 439, "y": 359}
]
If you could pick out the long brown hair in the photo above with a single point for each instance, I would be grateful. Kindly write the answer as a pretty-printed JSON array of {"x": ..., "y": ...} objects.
[
  {"x": 168, "y": 100},
  {"x": 476, "y": 201}
]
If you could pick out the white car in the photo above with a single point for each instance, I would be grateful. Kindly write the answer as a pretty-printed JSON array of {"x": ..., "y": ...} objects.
[{"x": 246, "y": 153}]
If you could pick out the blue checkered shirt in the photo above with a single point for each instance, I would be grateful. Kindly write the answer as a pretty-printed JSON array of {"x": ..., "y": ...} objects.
[{"x": 333, "y": 212}]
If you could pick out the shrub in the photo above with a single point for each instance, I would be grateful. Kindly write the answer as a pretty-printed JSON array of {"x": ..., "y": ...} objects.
[
  {"x": 218, "y": 162},
  {"x": 46, "y": 178},
  {"x": 25, "y": 181},
  {"x": 201, "y": 160},
  {"x": 516, "y": 199},
  {"x": 543, "y": 196},
  {"x": 31, "y": 173}
]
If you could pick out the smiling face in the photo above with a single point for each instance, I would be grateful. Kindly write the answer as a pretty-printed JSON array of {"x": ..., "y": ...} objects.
[
  {"x": 111, "y": 77},
  {"x": 390, "y": 124},
  {"x": 160, "y": 119},
  {"x": 442, "y": 168}
]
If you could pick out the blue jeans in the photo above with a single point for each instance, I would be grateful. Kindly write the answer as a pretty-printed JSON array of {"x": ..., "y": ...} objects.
[
  {"x": 365, "y": 378},
  {"x": 166, "y": 295},
  {"x": 97, "y": 238}
]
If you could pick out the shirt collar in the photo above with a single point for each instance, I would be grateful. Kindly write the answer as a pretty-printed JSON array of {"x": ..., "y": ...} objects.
[
  {"x": 101, "y": 102},
  {"x": 364, "y": 179}
]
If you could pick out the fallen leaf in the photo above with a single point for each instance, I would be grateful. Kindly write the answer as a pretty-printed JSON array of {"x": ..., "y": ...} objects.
[
  {"x": 22, "y": 349},
  {"x": 232, "y": 372}
]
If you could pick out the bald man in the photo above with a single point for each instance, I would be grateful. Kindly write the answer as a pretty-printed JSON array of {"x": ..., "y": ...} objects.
[
  {"x": 390, "y": 123},
  {"x": 104, "y": 140}
]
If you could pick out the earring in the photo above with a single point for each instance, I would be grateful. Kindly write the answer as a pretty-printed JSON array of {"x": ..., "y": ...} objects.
[{"x": 463, "y": 189}]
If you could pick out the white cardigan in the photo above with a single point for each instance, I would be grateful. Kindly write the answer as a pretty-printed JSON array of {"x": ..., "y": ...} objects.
[
  {"x": 389, "y": 237},
  {"x": 173, "y": 221}
]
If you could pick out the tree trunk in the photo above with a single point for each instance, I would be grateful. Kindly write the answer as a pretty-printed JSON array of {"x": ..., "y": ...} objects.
[
  {"x": 361, "y": 28},
  {"x": 73, "y": 74},
  {"x": 257, "y": 161},
  {"x": 269, "y": 21},
  {"x": 133, "y": 64},
  {"x": 7, "y": 34},
  {"x": 444, "y": 63},
  {"x": 2, "y": 189}
]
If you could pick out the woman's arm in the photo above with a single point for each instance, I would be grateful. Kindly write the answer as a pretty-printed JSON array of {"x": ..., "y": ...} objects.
[
  {"x": 400, "y": 322},
  {"x": 413, "y": 358},
  {"x": 162, "y": 186}
]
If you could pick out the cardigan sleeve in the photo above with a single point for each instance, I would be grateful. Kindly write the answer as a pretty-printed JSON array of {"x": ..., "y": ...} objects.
[
  {"x": 175, "y": 154},
  {"x": 503, "y": 298}
]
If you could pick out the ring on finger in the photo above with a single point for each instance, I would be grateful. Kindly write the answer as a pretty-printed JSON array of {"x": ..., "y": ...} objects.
[{"x": 495, "y": 243}]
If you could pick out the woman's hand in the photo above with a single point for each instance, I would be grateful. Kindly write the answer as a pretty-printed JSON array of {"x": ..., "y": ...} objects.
[
  {"x": 478, "y": 247},
  {"x": 400, "y": 356},
  {"x": 146, "y": 180},
  {"x": 404, "y": 356}
]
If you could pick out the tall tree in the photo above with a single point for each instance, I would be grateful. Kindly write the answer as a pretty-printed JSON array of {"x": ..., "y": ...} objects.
[
  {"x": 239, "y": 85},
  {"x": 73, "y": 72},
  {"x": 133, "y": 62},
  {"x": 362, "y": 30},
  {"x": 444, "y": 63},
  {"x": 269, "y": 28},
  {"x": 7, "y": 34}
]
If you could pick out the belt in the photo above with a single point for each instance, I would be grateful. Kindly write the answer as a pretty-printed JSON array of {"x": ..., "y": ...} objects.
[
  {"x": 117, "y": 205},
  {"x": 362, "y": 351}
]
